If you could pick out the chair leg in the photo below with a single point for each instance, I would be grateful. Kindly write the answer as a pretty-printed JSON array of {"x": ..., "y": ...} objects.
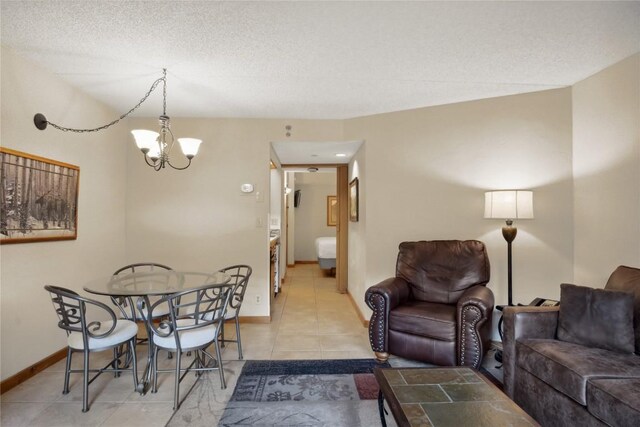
[
  {"x": 116, "y": 361},
  {"x": 67, "y": 371},
  {"x": 238, "y": 337},
  {"x": 222, "y": 332},
  {"x": 85, "y": 382},
  {"x": 154, "y": 369},
  {"x": 219, "y": 357},
  {"x": 176, "y": 390},
  {"x": 134, "y": 365}
]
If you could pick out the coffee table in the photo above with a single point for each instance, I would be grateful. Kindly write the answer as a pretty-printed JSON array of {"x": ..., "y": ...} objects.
[{"x": 446, "y": 396}]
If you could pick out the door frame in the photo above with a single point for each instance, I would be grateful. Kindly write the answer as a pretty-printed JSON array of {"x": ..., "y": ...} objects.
[{"x": 342, "y": 225}]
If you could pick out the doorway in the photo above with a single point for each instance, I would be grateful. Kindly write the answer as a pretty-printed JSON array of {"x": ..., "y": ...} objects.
[{"x": 315, "y": 222}]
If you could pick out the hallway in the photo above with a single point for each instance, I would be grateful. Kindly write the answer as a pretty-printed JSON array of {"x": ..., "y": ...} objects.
[{"x": 310, "y": 320}]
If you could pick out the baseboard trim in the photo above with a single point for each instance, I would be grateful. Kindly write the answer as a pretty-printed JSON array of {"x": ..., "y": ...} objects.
[
  {"x": 305, "y": 262},
  {"x": 32, "y": 370},
  {"x": 59, "y": 355},
  {"x": 255, "y": 319},
  {"x": 364, "y": 321}
]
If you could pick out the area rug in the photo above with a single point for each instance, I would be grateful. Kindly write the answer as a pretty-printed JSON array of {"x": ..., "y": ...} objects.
[{"x": 293, "y": 393}]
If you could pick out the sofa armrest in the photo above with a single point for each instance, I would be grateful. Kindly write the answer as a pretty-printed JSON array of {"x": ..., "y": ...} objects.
[
  {"x": 474, "y": 312},
  {"x": 524, "y": 322},
  {"x": 382, "y": 298}
]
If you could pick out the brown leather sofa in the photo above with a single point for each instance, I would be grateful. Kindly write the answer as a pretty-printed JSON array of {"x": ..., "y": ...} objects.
[
  {"x": 562, "y": 383},
  {"x": 437, "y": 309}
]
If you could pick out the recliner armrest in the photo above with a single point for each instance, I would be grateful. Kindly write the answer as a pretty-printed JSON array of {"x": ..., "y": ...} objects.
[
  {"x": 524, "y": 322},
  {"x": 474, "y": 312},
  {"x": 394, "y": 290},
  {"x": 382, "y": 298},
  {"x": 480, "y": 296}
]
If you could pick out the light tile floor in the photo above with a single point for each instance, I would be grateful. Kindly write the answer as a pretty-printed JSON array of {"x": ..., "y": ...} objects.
[{"x": 310, "y": 320}]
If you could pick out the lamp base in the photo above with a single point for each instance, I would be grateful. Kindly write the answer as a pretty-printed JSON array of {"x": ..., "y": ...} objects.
[{"x": 509, "y": 231}]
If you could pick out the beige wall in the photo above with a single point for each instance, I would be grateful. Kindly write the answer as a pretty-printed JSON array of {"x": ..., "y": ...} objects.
[
  {"x": 427, "y": 169},
  {"x": 311, "y": 215},
  {"x": 606, "y": 167},
  {"x": 422, "y": 176},
  {"x": 357, "y": 279},
  {"x": 29, "y": 324},
  {"x": 198, "y": 219}
]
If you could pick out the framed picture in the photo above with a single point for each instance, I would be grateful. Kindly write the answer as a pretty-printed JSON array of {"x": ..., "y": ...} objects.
[
  {"x": 353, "y": 200},
  {"x": 38, "y": 198},
  {"x": 332, "y": 211}
]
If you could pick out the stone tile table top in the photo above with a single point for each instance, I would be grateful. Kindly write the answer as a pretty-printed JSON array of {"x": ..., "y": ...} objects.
[{"x": 447, "y": 396}]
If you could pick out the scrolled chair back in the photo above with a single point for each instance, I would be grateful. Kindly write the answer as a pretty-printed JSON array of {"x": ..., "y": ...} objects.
[
  {"x": 71, "y": 309},
  {"x": 189, "y": 310},
  {"x": 141, "y": 266},
  {"x": 240, "y": 275}
]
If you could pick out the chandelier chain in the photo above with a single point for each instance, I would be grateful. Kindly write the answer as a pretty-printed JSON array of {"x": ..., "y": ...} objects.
[
  {"x": 144, "y": 98},
  {"x": 164, "y": 92}
]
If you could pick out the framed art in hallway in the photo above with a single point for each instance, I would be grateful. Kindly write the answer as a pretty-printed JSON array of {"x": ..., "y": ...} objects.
[
  {"x": 353, "y": 200},
  {"x": 332, "y": 211},
  {"x": 38, "y": 198}
]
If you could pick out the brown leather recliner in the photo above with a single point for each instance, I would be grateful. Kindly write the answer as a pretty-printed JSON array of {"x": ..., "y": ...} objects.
[{"x": 437, "y": 309}]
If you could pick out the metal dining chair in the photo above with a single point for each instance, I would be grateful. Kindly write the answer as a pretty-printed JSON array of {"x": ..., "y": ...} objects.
[
  {"x": 240, "y": 275},
  {"x": 182, "y": 332},
  {"x": 87, "y": 337}
]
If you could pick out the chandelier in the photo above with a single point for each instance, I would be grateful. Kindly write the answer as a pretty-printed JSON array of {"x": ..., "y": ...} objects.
[{"x": 156, "y": 147}]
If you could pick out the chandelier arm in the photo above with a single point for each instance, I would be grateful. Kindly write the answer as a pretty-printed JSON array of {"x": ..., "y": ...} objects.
[
  {"x": 146, "y": 159},
  {"x": 179, "y": 169},
  {"x": 144, "y": 98}
]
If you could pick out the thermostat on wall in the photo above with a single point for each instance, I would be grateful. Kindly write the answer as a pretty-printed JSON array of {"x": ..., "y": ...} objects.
[{"x": 246, "y": 188}]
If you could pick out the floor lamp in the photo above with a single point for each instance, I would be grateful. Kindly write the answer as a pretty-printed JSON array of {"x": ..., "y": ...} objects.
[{"x": 508, "y": 205}]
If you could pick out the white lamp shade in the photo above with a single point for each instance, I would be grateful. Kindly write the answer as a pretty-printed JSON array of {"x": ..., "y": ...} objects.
[
  {"x": 189, "y": 146},
  {"x": 145, "y": 139},
  {"x": 509, "y": 204}
]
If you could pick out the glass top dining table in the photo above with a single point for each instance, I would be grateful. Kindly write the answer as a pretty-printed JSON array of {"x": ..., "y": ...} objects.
[
  {"x": 144, "y": 284},
  {"x": 159, "y": 282}
]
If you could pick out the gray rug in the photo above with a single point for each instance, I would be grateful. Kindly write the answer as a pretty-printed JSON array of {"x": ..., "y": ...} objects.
[{"x": 286, "y": 393}]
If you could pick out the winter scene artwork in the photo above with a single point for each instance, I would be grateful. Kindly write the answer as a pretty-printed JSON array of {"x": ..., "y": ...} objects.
[{"x": 39, "y": 198}]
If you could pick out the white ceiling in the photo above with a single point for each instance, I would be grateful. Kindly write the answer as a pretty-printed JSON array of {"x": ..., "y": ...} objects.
[
  {"x": 296, "y": 152},
  {"x": 317, "y": 60}
]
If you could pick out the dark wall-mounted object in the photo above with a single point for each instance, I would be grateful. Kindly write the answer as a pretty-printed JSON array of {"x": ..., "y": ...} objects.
[{"x": 296, "y": 198}]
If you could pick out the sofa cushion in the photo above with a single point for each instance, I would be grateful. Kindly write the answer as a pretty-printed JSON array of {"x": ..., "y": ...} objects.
[
  {"x": 427, "y": 319},
  {"x": 596, "y": 318},
  {"x": 615, "y": 401},
  {"x": 628, "y": 279},
  {"x": 567, "y": 367}
]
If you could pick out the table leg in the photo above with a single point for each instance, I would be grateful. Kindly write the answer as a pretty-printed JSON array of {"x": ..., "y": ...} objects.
[
  {"x": 381, "y": 408},
  {"x": 145, "y": 381}
]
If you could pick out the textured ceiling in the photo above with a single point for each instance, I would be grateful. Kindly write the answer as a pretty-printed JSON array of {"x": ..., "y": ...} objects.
[{"x": 316, "y": 59}]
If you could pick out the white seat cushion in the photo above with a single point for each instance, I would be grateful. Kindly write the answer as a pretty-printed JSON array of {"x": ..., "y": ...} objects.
[
  {"x": 192, "y": 338},
  {"x": 123, "y": 332}
]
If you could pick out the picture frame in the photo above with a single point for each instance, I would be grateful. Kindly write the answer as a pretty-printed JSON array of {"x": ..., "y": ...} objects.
[
  {"x": 38, "y": 198},
  {"x": 354, "y": 196},
  {"x": 332, "y": 211}
]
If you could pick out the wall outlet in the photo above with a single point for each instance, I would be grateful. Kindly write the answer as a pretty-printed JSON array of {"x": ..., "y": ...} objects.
[{"x": 257, "y": 299}]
